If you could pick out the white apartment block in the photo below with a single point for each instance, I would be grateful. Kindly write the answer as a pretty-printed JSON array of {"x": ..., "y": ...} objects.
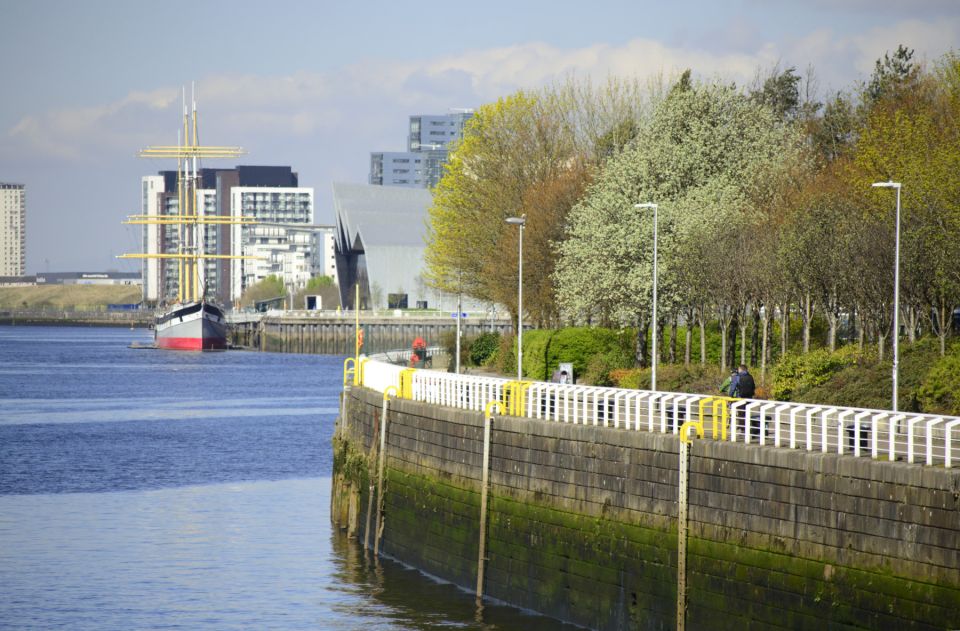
[
  {"x": 13, "y": 230},
  {"x": 329, "y": 261},
  {"x": 284, "y": 239},
  {"x": 150, "y": 268}
]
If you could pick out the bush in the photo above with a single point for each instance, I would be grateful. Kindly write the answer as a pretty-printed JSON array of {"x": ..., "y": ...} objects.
[
  {"x": 940, "y": 392},
  {"x": 601, "y": 365},
  {"x": 483, "y": 347},
  {"x": 579, "y": 345},
  {"x": 535, "y": 345},
  {"x": 505, "y": 359},
  {"x": 797, "y": 373}
]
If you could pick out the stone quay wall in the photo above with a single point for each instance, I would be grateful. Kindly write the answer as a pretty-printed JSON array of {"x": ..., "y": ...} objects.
[{"x": 582, "y": 522}]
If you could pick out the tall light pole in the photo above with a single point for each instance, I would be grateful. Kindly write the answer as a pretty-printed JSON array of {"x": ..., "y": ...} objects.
[
  {"x": 896, "y": 291},
  {"x": 522, "y": 222},
  {"x": 459, "y": 314},
  {"x": 653, "y": 353}
]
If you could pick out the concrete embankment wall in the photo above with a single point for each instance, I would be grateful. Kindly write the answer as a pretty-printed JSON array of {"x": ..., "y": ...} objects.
[
  {"x": 582, "y": 523},
  {"x": 72, "y": 318}
]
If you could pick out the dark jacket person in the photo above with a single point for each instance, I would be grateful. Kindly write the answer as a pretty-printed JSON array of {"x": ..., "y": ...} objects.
[{"x": 746, "y": 387}]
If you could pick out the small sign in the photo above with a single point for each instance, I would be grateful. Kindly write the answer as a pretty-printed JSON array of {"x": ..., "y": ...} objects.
[{"x": 454, "y": 315}]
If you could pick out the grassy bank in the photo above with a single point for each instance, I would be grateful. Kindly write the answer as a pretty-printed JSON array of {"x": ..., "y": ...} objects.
[{"x": 68, "y": 297}]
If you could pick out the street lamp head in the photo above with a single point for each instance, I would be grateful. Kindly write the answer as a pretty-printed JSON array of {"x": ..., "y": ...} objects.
[
  {"x": 518, "y": 221},
  {"x": 889, "y": 184},
  {"x": 645, "y": 205}
]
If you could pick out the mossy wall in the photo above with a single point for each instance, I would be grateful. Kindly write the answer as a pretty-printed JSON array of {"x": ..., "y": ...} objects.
[{"x": 582, "y": 523}]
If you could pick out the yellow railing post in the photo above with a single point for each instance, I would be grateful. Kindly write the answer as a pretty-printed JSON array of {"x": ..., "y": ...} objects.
[
  {"x": 522, "y": 387},
  {"x": 359, "y": 375},
  {"x": 349, "y": 368},
  {"x": 718, "y": 408},
  {"x": 406, "y": 383}
]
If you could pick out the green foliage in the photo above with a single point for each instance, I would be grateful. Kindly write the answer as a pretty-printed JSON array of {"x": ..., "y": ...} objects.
[
  {"x": 319, "y": 281},
  {"x": 940, "y": 392},
  {"x": 578, "y": 345},
  {"x": 535, "y": 345},
  {"x": 797, "y": 373},
  {"x": 269, "y": 287},
  {"x": 483, "y": 348},
  {"x": 505, "y": 359},
  {"x": 670, "y": 377},
  {"x": 601, "y": 365},
  {"x": 322, "y": 286}
]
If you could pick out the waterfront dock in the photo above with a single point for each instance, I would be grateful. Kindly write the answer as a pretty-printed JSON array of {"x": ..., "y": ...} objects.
[{"x": 335, "y": 333}]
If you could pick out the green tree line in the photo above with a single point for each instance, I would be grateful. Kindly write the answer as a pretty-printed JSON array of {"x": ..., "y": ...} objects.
[{"x": 766, "y": 213}]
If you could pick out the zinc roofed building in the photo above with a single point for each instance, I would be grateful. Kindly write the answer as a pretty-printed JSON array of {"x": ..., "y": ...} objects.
[{"x": 380, "y": 242}]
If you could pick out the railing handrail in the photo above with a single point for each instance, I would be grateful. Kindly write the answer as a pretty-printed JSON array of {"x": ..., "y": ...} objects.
[{"x": 933, "y": 439}]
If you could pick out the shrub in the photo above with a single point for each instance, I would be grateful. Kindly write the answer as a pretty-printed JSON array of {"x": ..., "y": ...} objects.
[
  {"x": 483, "y": 347},
  {"x": 940, "y": 392},
  {"x": 797, "y": 373},
  {"x": 505, "y": 359},
  {"x": 578, "y": 345},
  {"x": 601, "y": 365},
  {"x": 535, "y": 345}
]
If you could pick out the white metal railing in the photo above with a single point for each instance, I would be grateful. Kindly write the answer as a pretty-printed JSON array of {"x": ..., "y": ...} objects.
[{"x": 880, "y": 434}]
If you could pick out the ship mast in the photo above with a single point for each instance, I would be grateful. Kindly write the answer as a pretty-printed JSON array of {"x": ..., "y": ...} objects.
[{"x": 190, "y": 219}]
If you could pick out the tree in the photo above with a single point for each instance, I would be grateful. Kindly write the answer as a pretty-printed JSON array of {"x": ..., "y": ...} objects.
[
  {"x": 780, "y": 92},
  {"x": 528, "y": 153},
  {"x": 892, "y": 75},
  {"x": 267, "y": 289},
  {"x": 696, "y": 155},
  {"x": 322, "y": 286}
]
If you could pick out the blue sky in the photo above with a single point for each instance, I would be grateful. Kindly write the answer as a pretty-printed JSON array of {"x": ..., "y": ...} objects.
[{"x": 318, "y": 85}]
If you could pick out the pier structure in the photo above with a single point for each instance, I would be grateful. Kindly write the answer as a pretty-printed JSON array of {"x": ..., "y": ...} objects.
[
  {"x": 629, "y": 509},
  {"x": 335, "y": 333}
]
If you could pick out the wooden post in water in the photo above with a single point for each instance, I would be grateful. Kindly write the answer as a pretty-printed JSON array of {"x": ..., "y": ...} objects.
[
  {"x": 682, "y": 529},
  {"x": 383, "y": 453},
  {"x": 481, "y": 558}
]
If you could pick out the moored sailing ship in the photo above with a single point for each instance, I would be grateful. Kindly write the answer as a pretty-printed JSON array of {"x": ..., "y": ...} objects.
[
  {"x": 193, "y": 322},
  {"x": 195, "y": 326}
]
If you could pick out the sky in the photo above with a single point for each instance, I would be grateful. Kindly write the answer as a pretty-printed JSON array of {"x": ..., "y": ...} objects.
[{"x": 319, "y": 85}]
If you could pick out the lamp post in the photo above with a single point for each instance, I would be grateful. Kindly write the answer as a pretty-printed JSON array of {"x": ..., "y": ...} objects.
[
  {"x": 896, "y": 291},
  {"x": 653, "y": 348},
  {"x": 519, "y": 221},
  {"x": 459, "y": 314}
]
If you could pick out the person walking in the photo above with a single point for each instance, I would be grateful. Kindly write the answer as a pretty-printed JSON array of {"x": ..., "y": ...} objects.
[
  {"x": 745, "y": 385},
  {"x": 745, "y": 389}
]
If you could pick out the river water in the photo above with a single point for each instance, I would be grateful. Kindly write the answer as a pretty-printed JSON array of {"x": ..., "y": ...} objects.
[{"x": 144, "y": 489}]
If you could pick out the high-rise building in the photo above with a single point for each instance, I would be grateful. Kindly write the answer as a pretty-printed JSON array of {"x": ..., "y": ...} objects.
[
  {"x": 284, "y": 238},
  {"x": 13, "y": 230},
  {"x": 429, "y": 138}
]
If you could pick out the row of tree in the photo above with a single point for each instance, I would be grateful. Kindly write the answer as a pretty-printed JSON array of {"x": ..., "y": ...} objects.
[{"x": 765, "y": 207}]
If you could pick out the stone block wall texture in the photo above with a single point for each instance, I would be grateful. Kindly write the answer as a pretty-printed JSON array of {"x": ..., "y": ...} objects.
[{"x": 582, "y": 523}]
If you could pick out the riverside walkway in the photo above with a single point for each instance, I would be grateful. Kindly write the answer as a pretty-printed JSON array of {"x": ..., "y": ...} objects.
[{"x": 928, "y": 439}]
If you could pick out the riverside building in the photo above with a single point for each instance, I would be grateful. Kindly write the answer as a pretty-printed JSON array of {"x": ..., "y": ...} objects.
[
  {"x": 13, "y": 229},
  {"x": 429, "y": 138},
  {"x": 291, "y": 246}
]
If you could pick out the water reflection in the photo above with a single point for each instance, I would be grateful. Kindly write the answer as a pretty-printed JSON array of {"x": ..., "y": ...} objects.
[{"x": 415, "y": 601}]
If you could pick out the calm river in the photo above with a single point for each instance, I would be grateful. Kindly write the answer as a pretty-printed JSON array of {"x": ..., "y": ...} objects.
[{"x": 145, "y": 489}]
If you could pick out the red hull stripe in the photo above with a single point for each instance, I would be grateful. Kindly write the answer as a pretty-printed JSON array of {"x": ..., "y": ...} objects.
[{"x": 191, "y": 344}]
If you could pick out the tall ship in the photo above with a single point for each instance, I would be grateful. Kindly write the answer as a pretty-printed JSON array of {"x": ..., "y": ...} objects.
[{"x": 193, "y": 322}]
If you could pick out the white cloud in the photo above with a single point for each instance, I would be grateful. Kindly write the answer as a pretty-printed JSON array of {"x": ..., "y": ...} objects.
[{"x": 306, "y": 104}]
